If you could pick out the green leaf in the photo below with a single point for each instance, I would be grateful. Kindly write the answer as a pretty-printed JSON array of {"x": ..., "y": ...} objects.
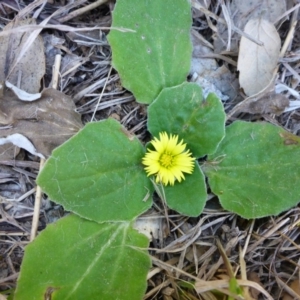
[
  {"x": 189, "y": 196},
  {"x": 158, "y": 53},
  {"x": 182, "y": 110},
  {"x": 255, "y": 170},
  {"x": 79, "y": 259},
  {"x": 234, "y": 288},
  {"x": 98, "y": 174}
]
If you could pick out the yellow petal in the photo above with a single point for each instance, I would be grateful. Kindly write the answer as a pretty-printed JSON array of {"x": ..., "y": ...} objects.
[{"x": 167, "y": 171}]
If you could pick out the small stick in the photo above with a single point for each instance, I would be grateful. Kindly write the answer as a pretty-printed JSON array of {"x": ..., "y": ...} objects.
[
  {"x": 81, "y": 11},
  {"x": 101, "y": 95},
  {"x": 229, "y": 22},
  {"x": 290, "y": 36},
  {"x": 55, "y": 71},
  {"x": 37, "y": 206},
  {"x": 218, "y": 19},
  {"x": 38, "y": 195}
]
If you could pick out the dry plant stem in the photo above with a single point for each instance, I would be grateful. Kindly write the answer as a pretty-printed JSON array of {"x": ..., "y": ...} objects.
[
  {"x": 37, "y": 206},
  {"x": 72, "y": 4},
  {"x": 81, "y": 11},
  {"x": 170, "y": 267},
  {"x": 27, "y": 194},
  {"x": 8, "y": 278},
  {"x": 288, "y": 44},
  {"x": 288, "y": 41},
  {"x": 138, "y": 127},
  {"x": 268, "y": 234},
  {"x": 219, "y": 56},
  {"x": 17, "y": 233},
  {"x": 157, "y": 289},
  {"x": 221, "y": 284},
  {"x": 80, "y": 63},
  {"x": 210, "y": 24},
  {"x": 212, "y": 15},
  {"x": 287, "y": 288},
  {"x": 41, "y": 26},
  {"x": 55, "y": 71},
  {"x": 229, "y": 22},
  {"x": 37, "y": 203},
  {"x": 190, "y": 237},
  {"x": 287, "y": 13},
  {"x": 30, "y": 8},
  {"x": 225, "y": 259},
  {"x": 202, "y": 286},
  {"x": 39, "y": 10},
  {"x": 101, "y": 95},
  {"x": 292, "y": 71},
  {"x": 296, "y": 246},
  {"x": 242, "y": 265},
  {"x": 231, "y": 244},
  {"x": 248, "y": 239},
  {"x": 202, "y": 39}
]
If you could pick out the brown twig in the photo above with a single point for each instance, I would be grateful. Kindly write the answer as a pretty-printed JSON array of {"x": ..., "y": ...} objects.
[
  {"x": 38, "y": 195},
  {"x": 81, "y": 11}
]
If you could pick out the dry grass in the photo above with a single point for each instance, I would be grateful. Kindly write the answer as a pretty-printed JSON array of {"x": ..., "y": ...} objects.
[{"x": 263, "y": 254}]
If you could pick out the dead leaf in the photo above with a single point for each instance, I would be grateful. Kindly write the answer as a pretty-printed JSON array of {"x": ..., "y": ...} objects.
[
  {"x": 167, "y": 293},
  {"x": 241, "y": 11},
  {"x": 269, "y": 103},
  {"x": 153, "y": 227},
  {"x": 20, "y": 141},
  {"x": 289, "y": 138},
  {"x": 28, "y": 72},
  {"x": 22, "y": 95},
  {"x": 47, "y": 122},
  {"x": 253, "y": 276},
  {"x": 8, "y": 151},
  {"x": 195, "y": 251},
  {"x": 257, "y": 63}
]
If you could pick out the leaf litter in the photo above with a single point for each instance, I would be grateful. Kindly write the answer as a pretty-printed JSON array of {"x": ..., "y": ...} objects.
[
  {"x": 47, "y": 122},
  {"x": 267, "y": 264},
  {"x": 257, "y": 63},
  {"x": 28, "y": 72}
]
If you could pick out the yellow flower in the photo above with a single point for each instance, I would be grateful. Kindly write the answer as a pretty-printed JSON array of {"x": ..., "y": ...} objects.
[{"x": 169, "y": 160}]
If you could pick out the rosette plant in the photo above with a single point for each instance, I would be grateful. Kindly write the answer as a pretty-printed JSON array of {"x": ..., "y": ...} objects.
[{"x": 107, "y": 177}]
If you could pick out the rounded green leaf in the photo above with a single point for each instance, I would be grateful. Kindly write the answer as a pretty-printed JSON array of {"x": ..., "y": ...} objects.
[
  {"x": 182, "y": 110},
  {"x": 255, "y": 170},
  {"x": 79, "y": 259},
  {"x": 189, "y": 196},
  {"x": 98, "y": 174},
  {"x": 156, "y": 52}
]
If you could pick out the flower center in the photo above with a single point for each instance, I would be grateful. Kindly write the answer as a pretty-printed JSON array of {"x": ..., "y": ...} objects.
[{"x": 166, "y": 160}]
